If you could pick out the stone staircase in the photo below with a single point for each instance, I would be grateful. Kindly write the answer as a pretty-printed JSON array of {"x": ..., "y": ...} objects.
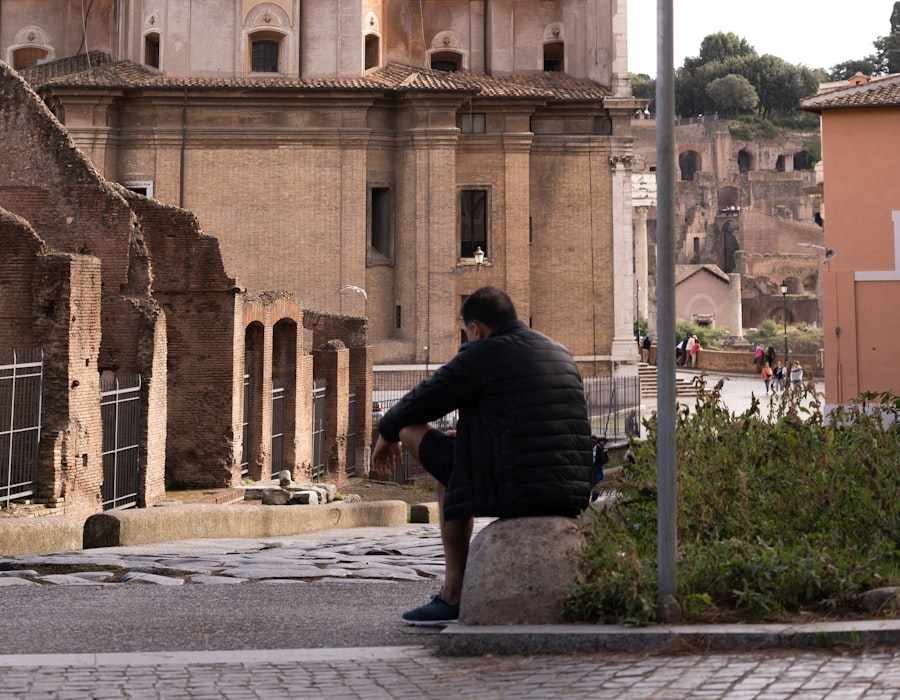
[{"x": 647, "y": 375}]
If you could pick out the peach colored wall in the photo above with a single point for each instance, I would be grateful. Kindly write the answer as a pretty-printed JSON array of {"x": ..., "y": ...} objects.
[
  {"x": 703, "y": 293},
  {"x": 859, "y": 147}
]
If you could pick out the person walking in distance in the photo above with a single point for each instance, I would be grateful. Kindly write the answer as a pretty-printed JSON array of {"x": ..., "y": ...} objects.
[
  {"x": 695, "y": 352},
  {"x": 522, "y": 445},
  {"x": 645, "y": 349},
  {"x": 796, "y": 374},
  {"x": 767, "y": 375}
]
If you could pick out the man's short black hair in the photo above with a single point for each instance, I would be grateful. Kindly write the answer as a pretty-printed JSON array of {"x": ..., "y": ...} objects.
[{"x": 490, "y": 306}]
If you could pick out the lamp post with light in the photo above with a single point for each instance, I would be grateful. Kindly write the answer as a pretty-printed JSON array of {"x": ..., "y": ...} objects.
[
  {"x": 784, "y": 289},
  {"x": 478, "y": 254}
]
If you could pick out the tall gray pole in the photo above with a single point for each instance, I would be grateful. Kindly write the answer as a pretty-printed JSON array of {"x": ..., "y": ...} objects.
[{"x": 665, "y": 290}]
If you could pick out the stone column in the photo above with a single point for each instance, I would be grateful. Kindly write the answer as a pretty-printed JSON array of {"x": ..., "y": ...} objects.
[
  {"x": 735, "y": 308},
  {"x": 640, "y": 261},
  {"x": 624, "y": 348}
]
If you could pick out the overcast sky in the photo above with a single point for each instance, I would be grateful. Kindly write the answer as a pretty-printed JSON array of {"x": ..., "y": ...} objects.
[{"x": 815, "y": 33}]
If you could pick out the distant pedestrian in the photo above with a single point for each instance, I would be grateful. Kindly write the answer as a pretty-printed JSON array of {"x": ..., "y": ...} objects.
[
  {"x": 681, "y": 351},
  {"x": 599, "y": 458},
  {"x": 645, "y": 349},
  {"x": 770, "y": 355},
  {"x": 767, "y": 375},
  {"x": 759, "y": 355},
  {"x": 796, "y": 374},
  {"x": 778, "y": 377},
  {"x": 695, "y": 352}
]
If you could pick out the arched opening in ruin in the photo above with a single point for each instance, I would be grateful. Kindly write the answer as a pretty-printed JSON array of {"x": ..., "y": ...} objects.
[
  {"x": 251, "y": 459},
  {"x": 284, "y": 395},
  {"x": 689, "y": 163},
  {"x": 745, "y": 160}
]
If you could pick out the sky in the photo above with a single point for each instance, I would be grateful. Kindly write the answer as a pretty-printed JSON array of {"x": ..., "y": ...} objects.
[{"x": 814, "y": 33}]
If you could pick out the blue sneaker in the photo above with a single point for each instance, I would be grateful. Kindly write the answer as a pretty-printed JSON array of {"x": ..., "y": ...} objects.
[{"x": 435, "y": 613}]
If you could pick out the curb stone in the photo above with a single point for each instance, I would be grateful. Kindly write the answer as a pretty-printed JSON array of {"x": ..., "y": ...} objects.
[{"x": 467, "y": 640}]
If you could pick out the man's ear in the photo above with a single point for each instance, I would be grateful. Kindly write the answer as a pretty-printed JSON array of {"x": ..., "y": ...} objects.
[{"x": 481, "y": 330}]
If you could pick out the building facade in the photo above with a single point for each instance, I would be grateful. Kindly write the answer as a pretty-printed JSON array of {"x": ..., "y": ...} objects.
[
  {"x": 861, "y": 257},
  {"x": 333, "y": 146}
]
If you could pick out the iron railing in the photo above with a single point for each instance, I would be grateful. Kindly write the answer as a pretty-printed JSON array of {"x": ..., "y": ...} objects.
[
  {"x": 21, "y": 381},
  {"x": 120, "y": 412},
  {"x": 614, "y": 408}
]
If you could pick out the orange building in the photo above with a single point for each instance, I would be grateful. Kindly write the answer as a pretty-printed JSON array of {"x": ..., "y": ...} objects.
[{"x": 861, "y": 260}]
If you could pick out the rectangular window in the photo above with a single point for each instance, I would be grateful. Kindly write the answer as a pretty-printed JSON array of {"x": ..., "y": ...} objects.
[
  {"x": 145, "y": 188},
  {"x": 472, "y": 222},
  {"x": 472, "y": 122},
  {"x": 265, "y": 57},
  {"x": 380, "y": 226}
]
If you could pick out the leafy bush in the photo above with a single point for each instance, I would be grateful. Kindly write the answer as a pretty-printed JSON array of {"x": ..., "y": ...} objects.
[
  {"x": 708, "y": 337},
  {"x": 802, "y": 339},
  {"x": 776, "y": 516}
]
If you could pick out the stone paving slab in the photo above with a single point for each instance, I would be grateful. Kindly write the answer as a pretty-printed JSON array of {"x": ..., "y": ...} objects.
[{"x": 413, "y": 672}]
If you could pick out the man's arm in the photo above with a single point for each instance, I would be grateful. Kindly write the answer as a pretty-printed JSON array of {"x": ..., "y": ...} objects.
[
  {"x": 385, "y": 458},
  {"x": 450, "y": 387}
]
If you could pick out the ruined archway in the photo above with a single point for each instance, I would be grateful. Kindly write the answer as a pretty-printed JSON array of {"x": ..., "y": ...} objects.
[{"x": 689, "y": 164}]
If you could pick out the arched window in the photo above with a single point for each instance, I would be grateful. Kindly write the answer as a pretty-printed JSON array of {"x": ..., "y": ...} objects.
[
  {"x": 372, "y": 51},
  {"x": 28, "y": 56},
  {"x": 265, "y": 52},
  {"x": 151, "y": 50},
  {"x": 745, "y": 161},
  {"x": 447, "y": 61}
]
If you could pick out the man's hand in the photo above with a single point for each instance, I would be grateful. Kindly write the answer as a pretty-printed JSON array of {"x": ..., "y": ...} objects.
[{"x": 385, "y": 458}]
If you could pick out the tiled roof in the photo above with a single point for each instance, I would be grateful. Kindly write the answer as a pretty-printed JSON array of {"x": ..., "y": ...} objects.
[
  {"x": 99, "y": 70},
  {"x": 879, "y": 92},
  {"x": 102, "y": 71},
  {"x": 682, "y": 272}
]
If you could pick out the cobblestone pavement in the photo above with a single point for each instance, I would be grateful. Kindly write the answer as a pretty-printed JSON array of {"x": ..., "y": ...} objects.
[{"x": 412, "y": 672}]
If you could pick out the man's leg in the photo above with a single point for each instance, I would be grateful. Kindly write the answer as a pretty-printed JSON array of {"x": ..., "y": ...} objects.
[{"x": 455, "y": 534}]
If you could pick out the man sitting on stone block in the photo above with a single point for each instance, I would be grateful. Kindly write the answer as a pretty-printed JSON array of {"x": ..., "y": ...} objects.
[{"x": 522, "y": 445}]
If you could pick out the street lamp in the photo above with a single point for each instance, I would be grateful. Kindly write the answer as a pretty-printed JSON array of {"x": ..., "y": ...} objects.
[
  {"x": 479, "y": 257},
  {"x": 784, "y": 289}
]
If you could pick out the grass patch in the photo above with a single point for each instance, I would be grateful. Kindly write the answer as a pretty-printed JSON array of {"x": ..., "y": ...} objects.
[{"x": 778, "y": 517}]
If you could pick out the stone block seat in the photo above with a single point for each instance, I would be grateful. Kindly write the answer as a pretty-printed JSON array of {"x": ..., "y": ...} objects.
[{"x": 520, "y": 570}]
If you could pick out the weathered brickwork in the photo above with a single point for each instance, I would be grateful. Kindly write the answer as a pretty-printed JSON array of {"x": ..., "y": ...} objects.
[{"x": 123, "y": 284}]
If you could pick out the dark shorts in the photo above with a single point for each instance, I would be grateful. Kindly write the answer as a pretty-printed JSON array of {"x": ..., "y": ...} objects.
[{"x": 436, "y": 454}]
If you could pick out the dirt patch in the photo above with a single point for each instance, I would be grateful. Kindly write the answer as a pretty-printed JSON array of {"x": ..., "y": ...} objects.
[{"x": 420, "y": 491}]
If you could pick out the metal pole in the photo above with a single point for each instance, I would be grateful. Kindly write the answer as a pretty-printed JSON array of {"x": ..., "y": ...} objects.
[
  {"x": 665, "y": 285},
  {"x": 784, "y": 304}
]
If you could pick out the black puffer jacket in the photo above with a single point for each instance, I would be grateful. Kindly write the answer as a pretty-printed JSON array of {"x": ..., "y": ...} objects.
[{"x": 523, "y": 436}]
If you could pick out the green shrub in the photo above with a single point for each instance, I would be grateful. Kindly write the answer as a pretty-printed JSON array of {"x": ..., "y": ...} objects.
[{"x": 776, "y": 516}]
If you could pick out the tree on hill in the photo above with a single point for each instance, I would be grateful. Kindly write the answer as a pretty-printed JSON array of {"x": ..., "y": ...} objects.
[
  {"x": 732, "y": 94},
  {"x": 779, "y": 85}
]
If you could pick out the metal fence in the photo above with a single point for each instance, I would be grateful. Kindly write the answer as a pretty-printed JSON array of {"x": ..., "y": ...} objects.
[
  {"x": 277, "y": 427},
  {"x": 320, "y": 388},
  {"x": 614, "y": 406},
  {"x": 21, "y": 381},
  {"x": 351, "y": 433},
  {"x": 613, "y": 403},
  {"x": 120, "y": 411}
]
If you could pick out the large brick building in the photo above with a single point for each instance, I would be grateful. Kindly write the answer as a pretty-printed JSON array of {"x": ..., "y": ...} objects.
[{"x": 370, "y": 144}]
